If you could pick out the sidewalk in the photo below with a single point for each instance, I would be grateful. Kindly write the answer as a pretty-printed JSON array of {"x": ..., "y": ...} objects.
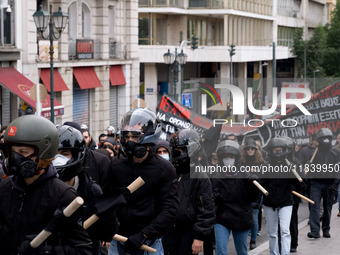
[{"x": 311, "y": 246}]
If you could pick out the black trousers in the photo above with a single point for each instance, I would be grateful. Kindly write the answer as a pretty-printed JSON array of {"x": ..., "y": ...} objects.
[
  {"x": 178, "y": 241},
  {"x": 294, "y": 230}
]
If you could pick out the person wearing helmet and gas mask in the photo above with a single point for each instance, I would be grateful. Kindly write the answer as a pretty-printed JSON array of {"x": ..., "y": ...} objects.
[
  {"x": 278, "y": 204},
  {"x": 151, "y": 209},
  {"x": 69, "y": 164},
  {"x": 32, "y": 197},
  {"x": 233, "y": 192},
  {"x": 324, "y": 184},
  {"x": 196, "y": 212}
]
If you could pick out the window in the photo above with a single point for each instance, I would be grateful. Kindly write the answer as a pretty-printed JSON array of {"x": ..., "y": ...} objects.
[
  {"x": 111, "y": 22},
  {"x": 7, "y": 25},
  {"x": 72, "y": 22},
  {"x": 86, "y": 21},
  {"x": 209, "y": 31},
  {"x": 152, "y": 29}
]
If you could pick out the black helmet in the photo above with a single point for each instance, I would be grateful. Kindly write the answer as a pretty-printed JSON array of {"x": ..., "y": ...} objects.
[
  {"x": 290, "y": 144},
  {"x": 144, "y": 122},
  {"x": 228, "y": 147},
  {"x": 72, "y": 139},
  {"x": 189, "y": 141},
  {"x": 277, "y": 142},
  {"x": 35, "y": 131},
  {"x": 324, "y": 137}
]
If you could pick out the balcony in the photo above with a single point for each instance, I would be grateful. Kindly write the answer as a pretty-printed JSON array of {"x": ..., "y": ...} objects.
[{"x": 161, "y": 3}]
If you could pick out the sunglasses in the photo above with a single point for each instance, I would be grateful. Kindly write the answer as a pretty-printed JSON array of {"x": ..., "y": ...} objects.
[{"x": 250, "y": 149}]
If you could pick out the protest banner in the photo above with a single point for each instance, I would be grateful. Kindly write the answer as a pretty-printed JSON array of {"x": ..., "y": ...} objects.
[{"x": 323, "y": 106}]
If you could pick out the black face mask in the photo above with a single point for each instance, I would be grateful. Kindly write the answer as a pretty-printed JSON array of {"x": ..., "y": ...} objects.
[
  {"x": 19, "y": 165},
  {"x": 131, "y": 149}
]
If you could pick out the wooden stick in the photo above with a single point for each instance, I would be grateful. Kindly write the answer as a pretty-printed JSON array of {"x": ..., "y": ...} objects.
[
  {"x": 303, "y": 197},
  {"x": 312, "y": 159},
  {"x": 294, "y": 171},
  {"x": 314, "y": 154},
  {"x": 68, "y": 211},
  {"x": 144, "y": 247},
  {"x": 259, "y": 186},
  {"x": 136, "y": 184}
]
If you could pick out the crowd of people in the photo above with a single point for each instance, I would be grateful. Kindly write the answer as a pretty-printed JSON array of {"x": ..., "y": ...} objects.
[{"x": 178, "y": 210}]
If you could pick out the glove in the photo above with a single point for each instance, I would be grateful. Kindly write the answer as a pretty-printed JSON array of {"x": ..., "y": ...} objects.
[
  {"x": 26, "y": 248},
  {"x": 252, "y": 177},
  {"x": 58, "y": 221},
  {"x": 134, "y": 242}
]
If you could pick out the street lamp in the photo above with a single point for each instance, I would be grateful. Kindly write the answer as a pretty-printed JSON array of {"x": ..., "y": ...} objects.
[
  {"x": 178, "y": 60},
  {"x": 314, "y": 87},
  {"x": 58, "y": 20}
]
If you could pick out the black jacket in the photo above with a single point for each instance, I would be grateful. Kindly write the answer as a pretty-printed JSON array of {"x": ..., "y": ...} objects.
[
  {"x": 107, "y": 225},
  {"x": 280, "y": 189},
  {"x": 152, "y": 208},
  {"x": 233, "y": 197},
  {"x": 196, "y": 205},
  {"x": 26, "y": 210},
  {"x": 97, "y": 166}
]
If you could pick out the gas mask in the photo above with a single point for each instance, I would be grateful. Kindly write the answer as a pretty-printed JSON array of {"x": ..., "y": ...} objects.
[
  {"x": 228, "y": 161},
  {"x": 131, "y": 148},
  {"x": 19, "y": 165}
]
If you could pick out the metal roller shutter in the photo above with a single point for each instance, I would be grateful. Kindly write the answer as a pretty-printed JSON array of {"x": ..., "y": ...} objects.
[
  {"x": 80, "y": 105},
  {"x": 114, "y": 106}
]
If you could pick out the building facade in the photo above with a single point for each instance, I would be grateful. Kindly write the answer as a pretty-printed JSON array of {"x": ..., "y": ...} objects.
[
  {"x": 96, "y": 65},
  {"x": 262, "y": 32},
  {"x": 111, "y": 52}
]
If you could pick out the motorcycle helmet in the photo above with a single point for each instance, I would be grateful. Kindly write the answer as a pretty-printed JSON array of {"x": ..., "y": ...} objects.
[
  {"x": 277, "y": 155},
  {"x": 189, "y": 142},
  {"x": 227, "y": 148},
  {"x": 73, "y": 140},
  {"x": 31, "y": 130},
  {"x": 324, "y": 137},
  {"x": 144, "y": 126}
]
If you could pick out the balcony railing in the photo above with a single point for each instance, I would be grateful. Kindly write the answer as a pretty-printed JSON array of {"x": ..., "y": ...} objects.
[
  {"x": 161, "y": 3},
  {"x": 264, "y": 7}
]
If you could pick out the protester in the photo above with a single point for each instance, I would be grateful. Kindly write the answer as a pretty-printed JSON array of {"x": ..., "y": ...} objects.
[
  {"x": 234, "y": 192},
  {"x": 162, "y": 149},
  {"x": 101, "y": 139},
  {"x": 111, "y": 146},
  {"x": 252, "y": 156},
  {"x": 32, "y": 197},
  {"x": 91, "y": 144},
  {"x": 277, "y": 205},
  {"x": 96, "y": 165},
  {"x": 151, "y": 209},
  {"x": 196, "y": 212},
  {"x": 69, "y": 164},
  {"x": 337, "y": 147},
  {"x": 294, "y": 221},
  {"x": 323, "y": 185}
]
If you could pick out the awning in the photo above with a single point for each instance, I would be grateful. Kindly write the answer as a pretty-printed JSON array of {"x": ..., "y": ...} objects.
[
  {"x": 117, "y": 76},
  {"x": 86, "y": 77},
  {"x": 21, "y": 86},
  {"x": 58, "y": 84}
]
